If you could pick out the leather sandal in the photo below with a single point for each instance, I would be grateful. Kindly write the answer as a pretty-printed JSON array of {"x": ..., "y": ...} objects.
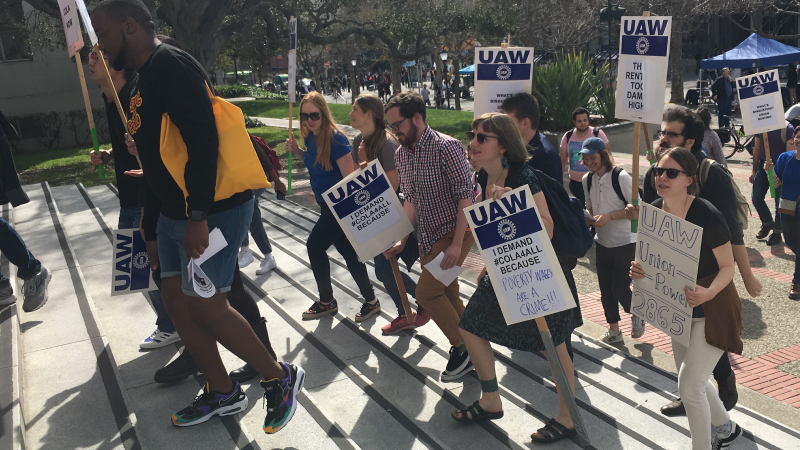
[
  {"x": 553, "y": 432},
  {"x": 476, "y": 414}
]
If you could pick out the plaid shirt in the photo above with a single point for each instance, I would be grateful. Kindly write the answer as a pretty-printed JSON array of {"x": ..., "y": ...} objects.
[{"x": 434, "y": 176}]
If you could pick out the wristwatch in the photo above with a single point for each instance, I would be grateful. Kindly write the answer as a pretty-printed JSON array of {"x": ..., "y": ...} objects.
[{"x": 197, "y": 216}]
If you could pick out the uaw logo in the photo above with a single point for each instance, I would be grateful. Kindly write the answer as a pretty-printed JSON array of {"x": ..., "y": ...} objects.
[
  {"x": 642, "y": 45},
  {"x": 758, "y": 90},
  {"x": 362, "y": 197},
  {"x": 140, "y": 260},
  {"x": 504, "y": 72},
  {"x": 507, "y": 229},
  {"x": 757, "y": 85}
]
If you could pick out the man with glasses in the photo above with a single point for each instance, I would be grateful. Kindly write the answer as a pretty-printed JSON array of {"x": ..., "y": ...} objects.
[
  {"x": 682, "y": 128},
  {"x": 435, "y": 179},
  {"x": 524, "y": 109}
]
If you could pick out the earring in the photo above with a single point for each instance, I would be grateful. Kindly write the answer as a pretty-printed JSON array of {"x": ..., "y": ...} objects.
[{"x": 504, "y": 162}]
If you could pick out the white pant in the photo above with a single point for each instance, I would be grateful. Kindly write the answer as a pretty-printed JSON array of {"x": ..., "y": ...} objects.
[{"x": 699, "y": 396}]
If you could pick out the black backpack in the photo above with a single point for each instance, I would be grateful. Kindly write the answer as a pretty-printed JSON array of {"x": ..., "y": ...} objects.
[
  {"x": 614, "y": 183},
  {"x": 595, "y": 131}
]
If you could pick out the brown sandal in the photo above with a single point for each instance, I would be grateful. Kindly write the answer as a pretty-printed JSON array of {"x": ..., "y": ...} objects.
[{"x": 553, "y": 432}]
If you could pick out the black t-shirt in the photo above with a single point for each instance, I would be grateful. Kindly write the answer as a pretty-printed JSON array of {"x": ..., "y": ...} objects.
[
  {"x": 127, "y": 186},
  {"x": 173, "y": 82},
  {"x": 715, "y": 233}
]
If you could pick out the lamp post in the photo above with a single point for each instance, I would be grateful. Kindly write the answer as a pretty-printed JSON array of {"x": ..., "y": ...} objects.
[
  {"x": 443, "y": 56},
  {"x": 353, "y": 82}
]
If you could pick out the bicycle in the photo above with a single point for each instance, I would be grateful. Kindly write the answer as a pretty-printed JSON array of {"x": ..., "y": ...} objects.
[{"x": 741, "y": 142}]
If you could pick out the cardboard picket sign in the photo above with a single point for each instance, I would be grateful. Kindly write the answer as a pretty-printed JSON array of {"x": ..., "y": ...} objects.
[
  {"x": 761, "y": 102},
  {"x": 500, "y": 72},
  {"x": 369, "y": 211},
  {"x": 131, "y": 269},
  {"x": 643, "y": 62},
  {"x": 72, "y": 28},
  {"x": 519, "y": 257},
  {"x": 668, "y": 248},
  {"x": 292, "y": 59}
]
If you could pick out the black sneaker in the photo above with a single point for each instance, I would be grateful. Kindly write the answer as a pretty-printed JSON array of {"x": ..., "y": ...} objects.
[
  {"x": 177, "y": 370},
  {"x": 458, "y": 365},
  {"x": 775, "y": 238},
  {"x": 319, "y": 309},
  {"x": 281, "y": 397},
  {"x": 209, "y": 404},
  {"x": 34, "y": 291},
  {"x": 6, "y": 292},
  {"x": 725, "y": 443},
  {"x": 368, "y": 311},
  {"x": 764, "y": 231}
]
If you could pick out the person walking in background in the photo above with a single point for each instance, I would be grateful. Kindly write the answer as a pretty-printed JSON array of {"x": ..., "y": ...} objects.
[
  {"x": 571, "y": 145},
  {"x": 327, "y": 157},
  {"x": 523, "y": 108},
  {"x": 791, "y": 83},
  {"x": 712, "y": 145},
  {"x": 760, "y": 180},
  {"x": 722, "y": 93},
  {"x": 787, "y": 175}
]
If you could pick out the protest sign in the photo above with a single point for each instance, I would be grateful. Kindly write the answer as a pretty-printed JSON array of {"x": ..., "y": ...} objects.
[
  {"x": 500, "y": 72},
  {"x": 292, "y": 59},
  {"x": 642, "y": 75},
  {"x": 131, "y": 269},
  {"x": 368, "y": 210},
  {"x": 668, "y": 248},
  {"x": 761, "y": 102},
  {"x": 72, "y": 28},
  {"x": 519, "y": 257}
]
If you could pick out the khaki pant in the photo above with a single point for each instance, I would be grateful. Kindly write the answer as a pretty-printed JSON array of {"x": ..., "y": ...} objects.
[{"x": 442, "y": 302}]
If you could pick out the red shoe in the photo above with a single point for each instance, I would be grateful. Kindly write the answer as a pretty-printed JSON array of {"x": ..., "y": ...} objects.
[
  {"x": 422, "y": 317},
  {"x": 397, "y": 325}
]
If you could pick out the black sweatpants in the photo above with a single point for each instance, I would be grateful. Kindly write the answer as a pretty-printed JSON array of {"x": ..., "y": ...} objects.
[{"x": 613, "y": 267}]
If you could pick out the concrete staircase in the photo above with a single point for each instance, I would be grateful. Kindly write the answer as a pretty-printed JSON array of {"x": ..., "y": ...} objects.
[{"x": 72, "y": 375}]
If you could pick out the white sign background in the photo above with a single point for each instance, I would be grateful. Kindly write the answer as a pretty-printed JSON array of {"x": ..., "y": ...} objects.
[
  {"x": 369, "y": 211},
  {"x": 130, "y": 271},
  {"x": 292, "y": 59},
  {"x": 761, "y": 102},
  {"x": 500, "y": 73},
  {"x": 668, "y": 248},
  {"x": 642, "y": 73},
  {"x": 519, "y": 257},
  {"x": 72, "y": 27}
]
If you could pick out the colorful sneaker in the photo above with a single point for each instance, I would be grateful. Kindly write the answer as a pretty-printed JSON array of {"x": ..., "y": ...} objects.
[
  {"x": 159, "y": 339},
  {"x": 281, "y": 397},
  {"x": 458, "y": 365},
  {"x": 397, "y": 325},
  {"x": 723, "y": 443},
  {"x": 367, "y": 311},
  {"x": 34, "y": 291},
  {"x": 245, "y": 257},
  {"x": 612, "y": 337},
  {"x": 267, "y": 264},
  {"x": 319, "y": 309},
  {"x": 422, "y": 317},
  {"x": 209, "y": 404},
  {"x": 637, "y": 326}
]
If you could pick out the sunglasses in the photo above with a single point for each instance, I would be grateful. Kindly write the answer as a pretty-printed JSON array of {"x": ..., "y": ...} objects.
[
  {"x": 313, "y": 116},
  {"x": 481, "y": 137},
  {"x": 671, "y": 173}
]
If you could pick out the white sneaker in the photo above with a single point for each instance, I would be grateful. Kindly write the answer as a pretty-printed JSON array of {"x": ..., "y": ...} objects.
[
  {"x": 245, "y": 257},
  {"x": 637, "y": 326},
  {"x": 159, "y": 339},
  {"x": 267, "y": 264},
  {"x": 611, "y": 337}
]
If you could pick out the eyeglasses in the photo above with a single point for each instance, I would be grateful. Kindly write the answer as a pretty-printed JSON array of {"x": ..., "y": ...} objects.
[
  {"x": 313, "y": 116},
  {"x": 671, "y": 173},
  {"x": 669, "y": 134},
  {"x": 396, "y": 126},
  {"x": 481, "y": 137}
]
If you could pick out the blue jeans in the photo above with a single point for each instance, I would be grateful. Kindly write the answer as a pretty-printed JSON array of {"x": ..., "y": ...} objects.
[
  {"x": 233, "y": 223},
  {"x": 724, "y": 110},
  {"x": 12, "y": 245},
  {"x": 129, "y": 218},
  {"x": 576, "y": 188},
  {"x": 257, "y": 228},
  {"x": 760, "y": 191},
  {"x": 791, "y": 235},
  {"x": 385, "y": 274}
]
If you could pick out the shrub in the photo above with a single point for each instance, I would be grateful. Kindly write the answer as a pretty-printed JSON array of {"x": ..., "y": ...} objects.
[{"x": 249, "y": 122}]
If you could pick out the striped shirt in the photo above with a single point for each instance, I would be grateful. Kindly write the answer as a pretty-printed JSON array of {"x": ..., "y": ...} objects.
[{"x": 434, "y": 175}]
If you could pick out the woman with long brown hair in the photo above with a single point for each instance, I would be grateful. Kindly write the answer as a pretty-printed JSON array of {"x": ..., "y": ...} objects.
[
  {"x": 328, "y": 160},
  {"x": 376, "y": 142}
]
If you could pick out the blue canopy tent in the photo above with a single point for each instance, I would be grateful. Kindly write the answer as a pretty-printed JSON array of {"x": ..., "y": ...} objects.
[
  {"x": 467, "y": 70},
  {"x": 754, "y": 52}
]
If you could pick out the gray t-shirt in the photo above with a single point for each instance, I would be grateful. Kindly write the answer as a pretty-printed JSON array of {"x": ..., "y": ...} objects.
[{"x": 386, "y": 155}]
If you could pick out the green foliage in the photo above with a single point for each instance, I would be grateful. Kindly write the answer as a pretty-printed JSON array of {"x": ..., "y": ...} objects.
[
  {"x": 249, "y": 122},
  {"x": 236, "y": 90},
  {"x": 61, "y": 167},
  {"x": 565, "y": 85}
]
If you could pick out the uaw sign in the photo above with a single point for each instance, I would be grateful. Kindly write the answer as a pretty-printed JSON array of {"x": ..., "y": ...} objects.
[
  {"x": 369, "y": 211},
  {"x": 131, "y": 269},
  {"x": 643, "y": 61},
  {"x": 761, "y": 102},
  {"x": 499, "y": 74},
  {"x": 668, "y": 248},
  {"x": 519, "y": 257}
]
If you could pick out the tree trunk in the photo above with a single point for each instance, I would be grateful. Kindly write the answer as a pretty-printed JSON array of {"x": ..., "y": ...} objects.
[
  {"x": 676, "y": 62},
  {"x": 456, "y": 80},
  {"x": 439, "y": 82},
  {"x": 397, "y": 78}
]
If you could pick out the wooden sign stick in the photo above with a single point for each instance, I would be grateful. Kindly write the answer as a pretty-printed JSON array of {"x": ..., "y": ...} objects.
[
  {"x": 768, "y": 165},
  {"x": 635, "y": 174},
  {"x": 89, "y": 114},
  {"x": 398, "y": 278},
  {"x": 648, "y": 144},
  {"x": 561, "y": 379},
  {"x": 289, "y": 154},
  {"x": 120, "y": 109}
]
